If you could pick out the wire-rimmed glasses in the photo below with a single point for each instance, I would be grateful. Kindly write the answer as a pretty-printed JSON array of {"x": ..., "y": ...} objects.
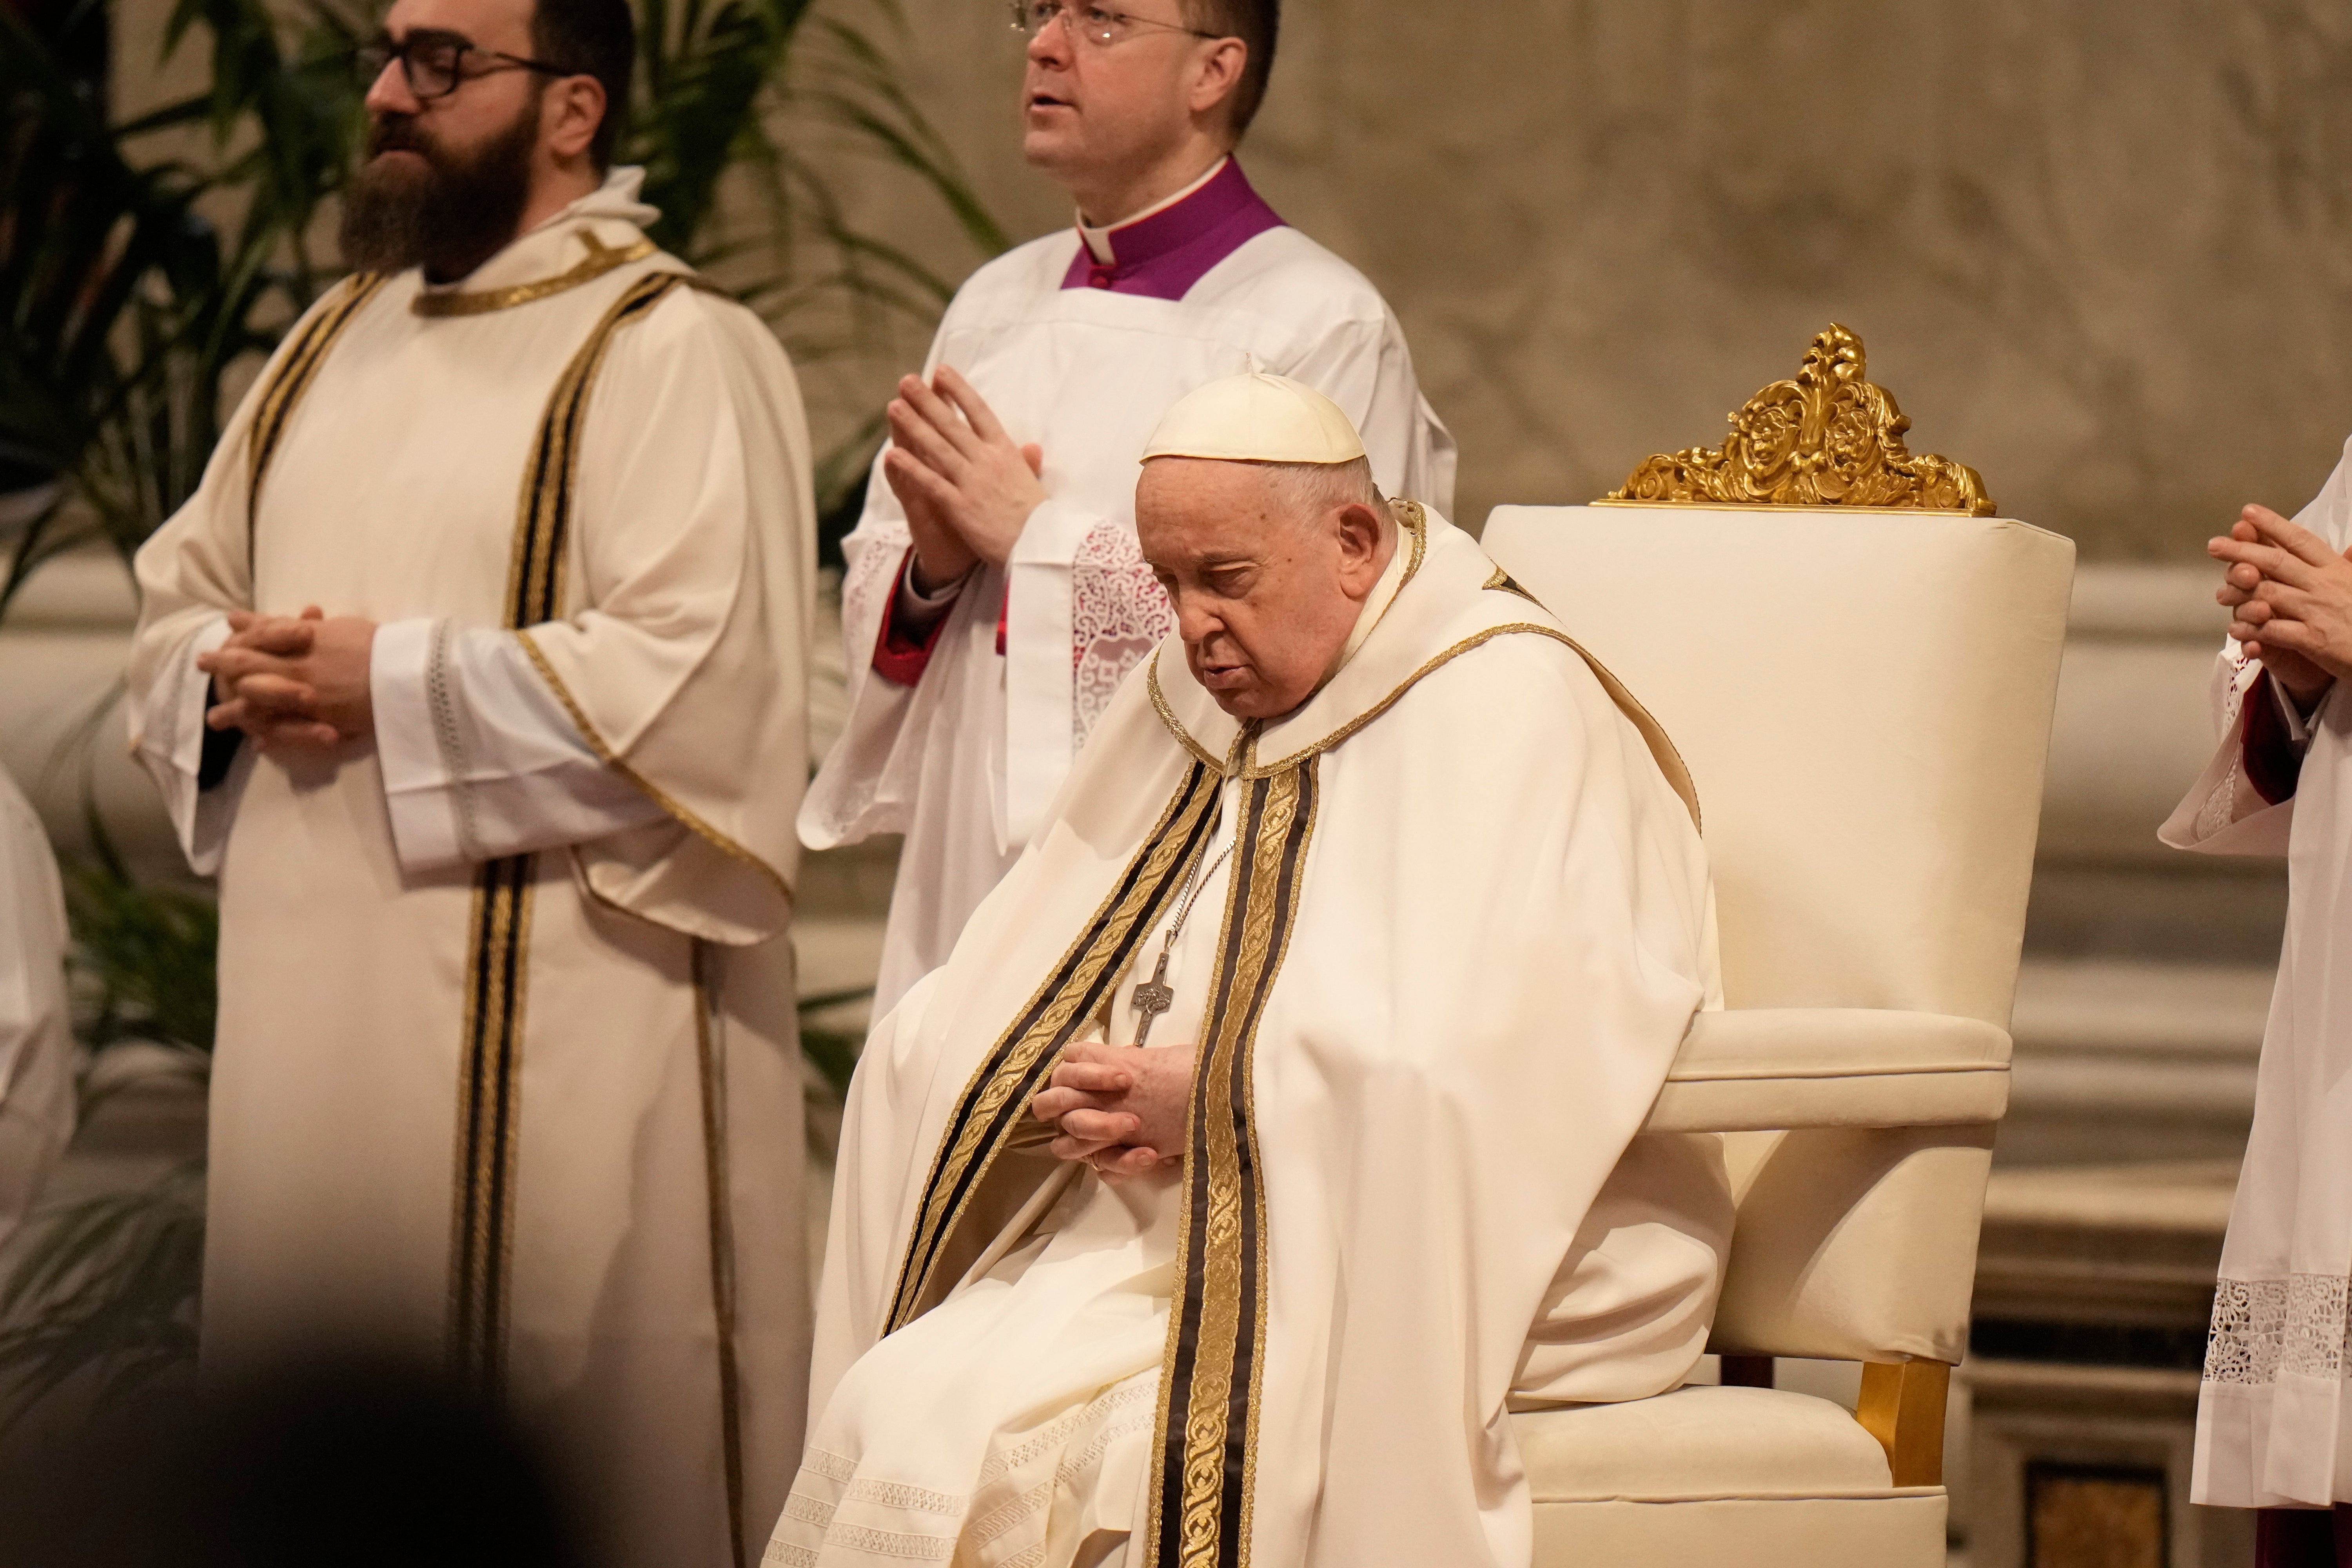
[{"x": 1098, "y": 25}]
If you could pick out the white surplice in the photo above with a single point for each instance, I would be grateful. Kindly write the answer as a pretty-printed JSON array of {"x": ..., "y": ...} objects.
[
  {"x": 508, "y": 1068},
  {"x": 2274, "y": 1416},
  {"x": 965, "y": 762},
  {"x": 37, "y": 1048},
  {"x": 1454, "y": 922}
]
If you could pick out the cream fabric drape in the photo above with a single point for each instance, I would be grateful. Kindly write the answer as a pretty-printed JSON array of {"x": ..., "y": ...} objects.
[{"x": 1463, "y": 926}]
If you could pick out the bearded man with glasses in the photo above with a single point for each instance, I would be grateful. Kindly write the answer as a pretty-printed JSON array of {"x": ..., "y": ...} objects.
[
  {"x": 474, "y": 670},
  {"x": 995, "y": 597}
]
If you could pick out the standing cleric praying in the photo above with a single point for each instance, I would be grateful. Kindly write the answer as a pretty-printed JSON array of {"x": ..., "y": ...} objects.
[
  {"x": 995, "y": 597},
  {"x": 2273, "y": 1419}
]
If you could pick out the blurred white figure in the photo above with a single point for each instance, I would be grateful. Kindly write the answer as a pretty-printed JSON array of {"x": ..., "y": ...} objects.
[{"x": 37, "y": 1079}]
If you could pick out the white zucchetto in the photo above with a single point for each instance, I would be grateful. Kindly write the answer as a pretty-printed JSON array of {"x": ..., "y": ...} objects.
[{"x": 1256, "y": 417}]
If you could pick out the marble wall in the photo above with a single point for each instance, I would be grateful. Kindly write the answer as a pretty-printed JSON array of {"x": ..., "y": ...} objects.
[{"x": 2100, "y": 249}]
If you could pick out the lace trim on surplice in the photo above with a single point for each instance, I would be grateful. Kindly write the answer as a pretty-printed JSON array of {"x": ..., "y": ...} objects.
[
  {"x": 871, "y": 577},
  {"x": 2300, "y": 1326},
  {"x": 2220, "y": 808},
  {"x": 1117, "y": 614}
]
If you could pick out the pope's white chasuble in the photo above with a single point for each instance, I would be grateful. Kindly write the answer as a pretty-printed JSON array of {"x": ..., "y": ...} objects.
[
  {"x": 1082, "y": 361},
  {"x": 2275, "y": 1415},
  {"x": 507, "y": 1066},
  {"x": 1438, "y": 934}
]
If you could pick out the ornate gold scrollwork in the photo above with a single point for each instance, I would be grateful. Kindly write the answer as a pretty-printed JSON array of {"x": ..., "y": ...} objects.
[{"x": 1829, "y": 438}]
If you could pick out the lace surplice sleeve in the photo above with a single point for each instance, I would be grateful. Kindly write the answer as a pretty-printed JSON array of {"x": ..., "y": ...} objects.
[{"x": 1117, "y": 614}]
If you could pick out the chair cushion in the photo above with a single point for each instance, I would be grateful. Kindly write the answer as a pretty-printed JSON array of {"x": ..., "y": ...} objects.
[
  {"x": 1701, "y": 1442},
  {"x": 1904, "y": 1528}
]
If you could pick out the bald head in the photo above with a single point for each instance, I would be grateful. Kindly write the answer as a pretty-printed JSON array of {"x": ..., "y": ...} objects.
[{"x": 1268, "y": 565}]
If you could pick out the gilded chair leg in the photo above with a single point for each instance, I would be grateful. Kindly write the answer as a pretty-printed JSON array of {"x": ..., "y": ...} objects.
[
  {"x": 1902, "y": 1405},
  {"x": 1748, "y": 1372}
]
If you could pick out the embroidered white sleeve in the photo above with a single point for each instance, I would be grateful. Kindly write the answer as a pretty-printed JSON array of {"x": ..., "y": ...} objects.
[
  {"x": 1117, "y": 614},
  {"x": 872, "y": 556},
  {"x": 479, "y": 758}
]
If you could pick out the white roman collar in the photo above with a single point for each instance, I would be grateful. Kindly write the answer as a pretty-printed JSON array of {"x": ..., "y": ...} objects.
[{"x": 1098, "y": 239}]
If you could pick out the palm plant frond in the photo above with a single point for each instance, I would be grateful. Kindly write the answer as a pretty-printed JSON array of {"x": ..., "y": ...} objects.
[{"x": 103, "y": 1291}]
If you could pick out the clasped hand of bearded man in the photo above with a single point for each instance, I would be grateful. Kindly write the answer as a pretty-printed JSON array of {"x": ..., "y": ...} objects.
[
  {"x": 293, "y": 682},
  {"x": 2291, "y": 596},
  {"x": 967, "y": 489},
  {"x": 1120, "y": 1109}
]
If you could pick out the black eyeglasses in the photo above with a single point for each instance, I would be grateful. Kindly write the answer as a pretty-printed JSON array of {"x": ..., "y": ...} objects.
[
  {"x": 434, "y": 64},
  {"x": 1095, "y": 23}
]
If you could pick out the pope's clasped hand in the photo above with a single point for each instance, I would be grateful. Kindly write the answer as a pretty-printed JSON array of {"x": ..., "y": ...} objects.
[{"x": 1121, "y": 1109}]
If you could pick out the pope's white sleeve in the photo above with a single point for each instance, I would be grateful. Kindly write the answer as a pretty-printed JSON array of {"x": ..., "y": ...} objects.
[
  {"x": 480, "y": 759},
  {"x": 172, "y": 743}
]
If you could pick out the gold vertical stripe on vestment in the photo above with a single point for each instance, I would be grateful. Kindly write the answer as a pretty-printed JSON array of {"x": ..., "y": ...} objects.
[
  {"x": 994, "y": 1101},
  {"x": 490, "y": 1104},
  {"x": 710, "y": 1054},
  {"x": 1213, "y": 1368},
  {"x": 544, "y": 510},
  {"x": 497, "y": 963}
]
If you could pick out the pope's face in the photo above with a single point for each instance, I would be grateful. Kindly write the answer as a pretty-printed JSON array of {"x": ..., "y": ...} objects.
[
  {"x": 1088, "y": 109},
  {"x": 1266, "y": 591}
]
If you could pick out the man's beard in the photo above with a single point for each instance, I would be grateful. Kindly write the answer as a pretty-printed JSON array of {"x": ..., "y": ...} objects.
[{"x": 447, "y": 216}]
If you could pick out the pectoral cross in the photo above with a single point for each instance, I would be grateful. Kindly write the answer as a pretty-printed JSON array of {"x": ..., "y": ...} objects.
[{"x": 1152, "y": 998}]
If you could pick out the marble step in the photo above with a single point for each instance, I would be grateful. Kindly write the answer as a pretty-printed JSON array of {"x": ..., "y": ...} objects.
[{"x": 2130, "y": 1060}]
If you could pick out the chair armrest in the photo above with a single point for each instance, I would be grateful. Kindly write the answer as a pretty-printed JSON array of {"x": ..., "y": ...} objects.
[{"x": 1782, "y": 1067}]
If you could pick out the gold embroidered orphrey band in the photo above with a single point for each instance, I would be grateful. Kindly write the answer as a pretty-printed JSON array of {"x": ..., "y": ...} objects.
[
  {"x": 995, "y": 1101},
  {"x": 481, "y": 1241},
  {"x": 1212, "y": 1368},
  {"x": 600, "y": 258},
  {"x": 1205, "y": 1438}
]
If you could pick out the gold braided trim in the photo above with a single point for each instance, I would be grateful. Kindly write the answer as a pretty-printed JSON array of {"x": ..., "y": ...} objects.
[
  {"x": 1217, "y": 1323},
  {"x": 677, "y": 810},
  {"x": 1168, "y": 717},
  {"x": 1414, "y": 521},
  {"x": 600, "y": 258},
  {"x": 1662, "y": 746},
  {"x": 489, "y": 1109},
  {"x": 1502, "y": 581},
  {"x": 995, "y": 1100},
  {"x": 274, "y": 404},
  {"x": 710, "y": 1051}
]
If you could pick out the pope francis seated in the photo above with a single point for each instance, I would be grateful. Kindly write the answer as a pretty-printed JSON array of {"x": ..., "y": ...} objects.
[{"x": 1402, "y": 899}]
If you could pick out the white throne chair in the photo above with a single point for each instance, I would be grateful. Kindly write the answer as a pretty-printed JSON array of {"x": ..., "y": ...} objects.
[{"x": 1864, "y": 697}]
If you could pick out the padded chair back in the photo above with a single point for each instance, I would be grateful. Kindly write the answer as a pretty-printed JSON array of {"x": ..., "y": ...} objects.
[{"x": 1864, "y": 699}]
